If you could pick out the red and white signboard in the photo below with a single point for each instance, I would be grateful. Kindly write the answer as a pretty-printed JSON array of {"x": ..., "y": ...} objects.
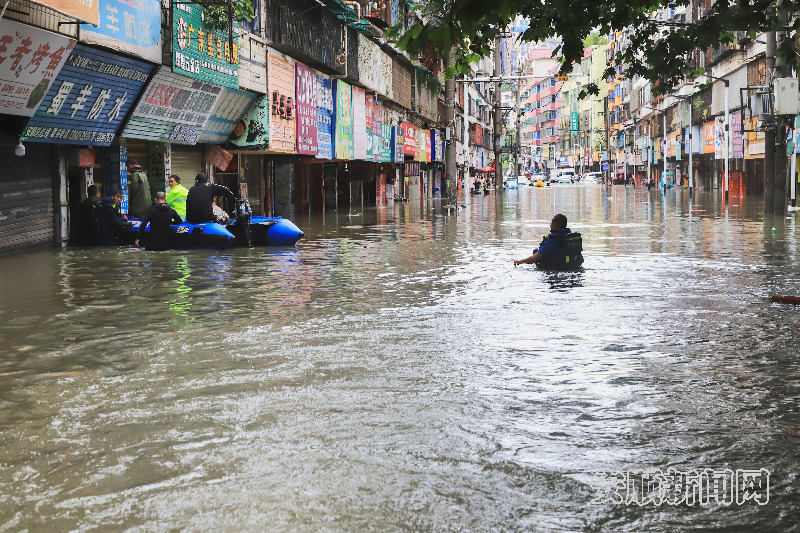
[
  {"x": 30, "y": 59},
  {"x": 280, "y": 84}
]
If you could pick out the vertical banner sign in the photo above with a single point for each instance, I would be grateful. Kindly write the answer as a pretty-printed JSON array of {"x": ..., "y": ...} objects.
[
  {"x": 796, "y": 133},
  {"x": 424, "y": 145},
  {"x": 83, "y": 10},
  {"x": 708, "y": 137},
  {"x": 359, "y": 124},
  {"x": 173, "y": 108},
  {"x": 324, "y": 118},
  {"x": 252, "y": 131},
  {"x": 428, "y": 146},
  {"x": 30, "y": 59},
  {"x": 387, "y": 143},
  {"x": 230, "y": 106},
  {"x": 343, "y": 142},
  {"x": 280, "y": 87},
  {"x": 737, "y": 139},
  {"x": 719, "y": 137},
  {"x": 90, "y": 98},
  {"x": 201, "y": 52},
  {"x": 377, "y": 131},
  {"x": 369, "y": 108},
  {"x": 127, "y": 26},
  {"x": 409, "y": 139},
  {"x": 398, "y": 144},
  {"x": 306, "y": 94},
  {"x": 575, "y": 123}
]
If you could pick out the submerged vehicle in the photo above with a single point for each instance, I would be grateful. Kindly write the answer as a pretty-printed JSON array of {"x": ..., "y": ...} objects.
[
  {"x": 511, "y": 182},
  {"x": 244, "y": 230}
]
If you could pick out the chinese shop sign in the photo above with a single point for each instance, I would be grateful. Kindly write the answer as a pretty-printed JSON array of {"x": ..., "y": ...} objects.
[
  {"x": 231, "y": 104},
  {"x": 30, "y": 60},
  {"x": 253, "y": 130},
  {"x": 409, "y": 139},
  {"x": 306, "y": 94},
  {"x": 83, "y": 10},
  {"x": 359, "y": 124},
  {"x": 173, "y": 109},
  {"x": 128, "y": 26},
  {"x": 90, "y": 98},
  {"x": 201, "y": 52},
  {"x": 324, "y": 118},
  {"x": 280, "y": 87},
  {"x": 344, "y": 121}
]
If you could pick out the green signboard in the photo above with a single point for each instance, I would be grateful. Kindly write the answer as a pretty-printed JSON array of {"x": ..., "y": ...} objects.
[
  {"x": 343, "y": 128},
  {"x": 201, "y": 52},
  {"x": 575, "y": 123}
]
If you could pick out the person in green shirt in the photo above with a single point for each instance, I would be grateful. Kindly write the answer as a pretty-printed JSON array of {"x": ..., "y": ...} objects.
[
  {"x": 177, "y": 195},
  {"x": 138, "y": 190}
]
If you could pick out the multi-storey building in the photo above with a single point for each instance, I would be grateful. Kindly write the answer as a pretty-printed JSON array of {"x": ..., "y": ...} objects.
[{"x": 305, "y": 108}]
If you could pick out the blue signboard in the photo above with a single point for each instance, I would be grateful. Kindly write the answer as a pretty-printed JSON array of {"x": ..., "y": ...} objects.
[
  {"x": 324, "y": 118},
  {"x": 397, "y": 145},
  {"x": 128, "y": 26},
  {"x": 89, "y": 99},
  {"x": 434, "y": 155}
]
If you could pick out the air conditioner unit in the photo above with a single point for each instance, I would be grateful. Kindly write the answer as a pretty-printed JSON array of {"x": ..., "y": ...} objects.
[{"x": 786, "y": 94}]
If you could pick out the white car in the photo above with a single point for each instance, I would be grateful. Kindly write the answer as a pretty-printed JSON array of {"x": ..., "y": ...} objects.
[
  {"x": 593, "y": 177},
  {"x": 563, "y": 175}
]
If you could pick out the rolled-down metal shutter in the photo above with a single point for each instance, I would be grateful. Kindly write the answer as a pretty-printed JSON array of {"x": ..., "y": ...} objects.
[
  {"x": 187, "y": 162},
  {"x": 26, "y": 195}
]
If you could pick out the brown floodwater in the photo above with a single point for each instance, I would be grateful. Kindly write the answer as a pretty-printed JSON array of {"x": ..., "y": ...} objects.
[{"x": 396, "y": 372}]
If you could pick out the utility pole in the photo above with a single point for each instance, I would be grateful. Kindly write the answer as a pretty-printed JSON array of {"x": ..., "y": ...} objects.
[
  {"x": 769, "y": 134},
  {"x": 518, "y": 137},
  {"x": 450, "y": 141},
  {"x": 780, "y": 140},
  {"x": 498, "y": 120}
]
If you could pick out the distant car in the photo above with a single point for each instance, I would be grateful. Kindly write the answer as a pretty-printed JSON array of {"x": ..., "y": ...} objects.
[
  {"x": 562, "y": 175},
  {"x": 593, "y": 177},
  {"x": 511, "y": 182},
  {"x": 523, "y": 180},
  {"x": 536, "y": 177}
]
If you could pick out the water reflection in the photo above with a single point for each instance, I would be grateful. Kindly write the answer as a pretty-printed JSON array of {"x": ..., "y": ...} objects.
[
  {"x": 396, "y": 372},
  {"x": 181, "y": 303}
]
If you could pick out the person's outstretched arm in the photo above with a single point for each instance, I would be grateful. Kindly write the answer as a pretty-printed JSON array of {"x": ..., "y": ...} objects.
[{"x": 535, "y": 258}]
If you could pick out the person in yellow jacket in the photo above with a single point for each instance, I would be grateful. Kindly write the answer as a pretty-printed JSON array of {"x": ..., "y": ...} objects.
[{"x": 177, "y": 195}]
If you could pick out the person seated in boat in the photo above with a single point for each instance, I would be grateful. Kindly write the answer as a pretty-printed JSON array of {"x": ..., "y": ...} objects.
[
  {"x": 160, "y": 216},
  {"x": 110, "y": 219},
  {"x": 87, "y": 216},
  {"x": 199, "y": 201},
  {"x": 560, "y": 249},
  {"x": 176, "y": 198},
  {"x": 220, "y": 216}
]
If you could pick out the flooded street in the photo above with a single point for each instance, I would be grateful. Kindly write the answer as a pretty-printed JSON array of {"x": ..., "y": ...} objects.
[{"x": 396, "y": 372}]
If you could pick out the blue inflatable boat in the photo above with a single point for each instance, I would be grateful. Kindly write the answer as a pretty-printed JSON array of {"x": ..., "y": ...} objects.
[
  {"x": 268, "y": 231},
  {"x": 245, "y": 230},
  {"x": 188, "y": 236}
]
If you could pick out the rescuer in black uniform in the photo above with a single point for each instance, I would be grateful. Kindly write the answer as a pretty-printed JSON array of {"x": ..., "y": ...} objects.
[
  {"x": 198, "y": 202},
  {"x": 110, "y": 219},
  {"x": 160, "y": 216},
  {"x": 87, "y": 216}
]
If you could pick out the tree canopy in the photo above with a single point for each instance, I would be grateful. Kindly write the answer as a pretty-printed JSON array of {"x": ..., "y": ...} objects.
[{"x": 658, "y": 50}]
